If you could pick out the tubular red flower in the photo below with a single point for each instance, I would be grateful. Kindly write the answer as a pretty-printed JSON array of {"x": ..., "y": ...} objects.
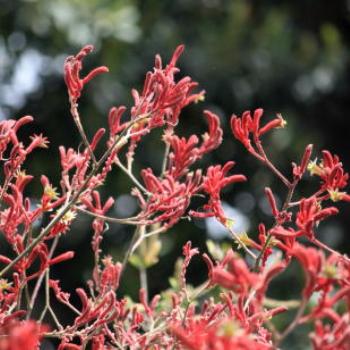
[
  {"x": 272, "y": 202},
  {"x": 72, "y": 68},
  {"x": 330, "y": 170},
  {"x": 310, "y": 213},
  {"x": 299, "y": 170},
  {"x": 183, "y": 317},
  {"x": 19, "y": 335},
  {"x": 247, "y": 125},
  {"x": 62, "y": 257},
  {"x": 312, "y": 262},
  {"x": 231, "y": 273},
  {"x": 162, "y": 98},
  {"x": 214, "y": 181}
]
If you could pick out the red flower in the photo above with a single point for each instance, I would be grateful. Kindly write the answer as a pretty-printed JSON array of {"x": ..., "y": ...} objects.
[
  {"x": 110, "y": 275},
  {"x": 168, "y": 198},
  {"x": 94, "y": 205},
  {"x": 299, "y": 170},
  {"x": 280, "y": 216},
  {"x": 231, "y": 273},
  {"x": 72, "y": 68},
  {"x": 188, "y": 253},
  {"x": 185, "y": 152},
  {"x": 21, "y": 335},
  {"x": 243, "y": 127},
  {"x": 311, "y": 260},
  {"x": 310, "y": 214},
  {"x": 224, "y": 335},
  {"x": 214, "y": 181},
  {"x": 114, "y": 117},
  {"x": 8, "y": 130},
  {"x": 332, "y": 337},
  {"x": 162, "y": 98},
  {"x": 332, "y": 175}
]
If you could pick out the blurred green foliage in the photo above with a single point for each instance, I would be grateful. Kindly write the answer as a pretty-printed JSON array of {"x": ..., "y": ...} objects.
[{"x": 286, "y": 56}]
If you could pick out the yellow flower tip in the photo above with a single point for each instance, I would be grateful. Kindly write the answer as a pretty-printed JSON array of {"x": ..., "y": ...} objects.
[
  {"x": 51, "y": 192},
  {"x": 140, "y": 123},
  {"x": 68, "y": 217},
  {"x": 205, "y": 137},
  {"x": 314, "y": 168},
  {"x": 283, "y": 122},
  {"x": 21, "y": 174},
  {"x": 4, "y": 284},
  {"x": 42, "y": 141},
  {"x": 199, "y": 98},
  {"x": 330, "y": 271},
  {"x": 244, "y": 238},
  {"x": 272, "y": 243},
  {"x": 229, "y": 223},
  {"x": 229, "y": 329},
  {"x": 335, "y": 195}
]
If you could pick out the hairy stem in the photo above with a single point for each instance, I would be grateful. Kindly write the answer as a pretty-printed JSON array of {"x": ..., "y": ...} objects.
[
  {"x": 76, "y": 118},
  {"x": 270, "y": 165},
  {"x": 132, "y": 177},
  {"x": 126, "y": 221},
  {"x": 165, "y": 158}
]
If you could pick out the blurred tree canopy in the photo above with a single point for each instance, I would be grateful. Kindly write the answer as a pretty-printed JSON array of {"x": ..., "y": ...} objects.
[{"x": 290, "y": 57}]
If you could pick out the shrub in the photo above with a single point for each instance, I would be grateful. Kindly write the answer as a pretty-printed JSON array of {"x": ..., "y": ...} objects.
[{"x": 231, "y": 309}]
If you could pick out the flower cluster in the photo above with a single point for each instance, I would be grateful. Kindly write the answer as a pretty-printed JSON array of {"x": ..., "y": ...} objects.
[
  {"x": 232, "y": 308},
  {"x": 72, "y": 68}
]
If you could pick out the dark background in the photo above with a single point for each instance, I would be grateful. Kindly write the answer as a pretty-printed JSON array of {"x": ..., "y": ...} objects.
[{"x": 290, "y": 57}]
